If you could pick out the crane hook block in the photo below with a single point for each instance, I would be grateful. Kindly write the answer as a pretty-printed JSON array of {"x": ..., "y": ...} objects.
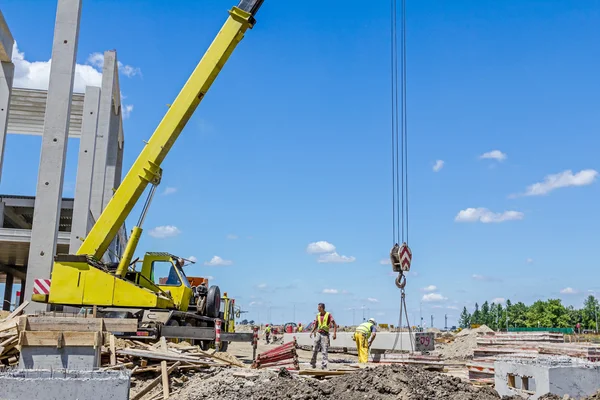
[{"x": 401, "y": 257}]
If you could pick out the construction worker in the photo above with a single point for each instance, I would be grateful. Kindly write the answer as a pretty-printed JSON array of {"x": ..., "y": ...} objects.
[
  {"x": 321, "y": 326},
  {"x": 300, "y": 328},
  {"x": 363, "y": 336},
  {"x": 267, "y": 333}
]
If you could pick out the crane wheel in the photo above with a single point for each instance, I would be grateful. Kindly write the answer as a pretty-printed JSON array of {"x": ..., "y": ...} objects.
[{"x": 213, "y": 302}]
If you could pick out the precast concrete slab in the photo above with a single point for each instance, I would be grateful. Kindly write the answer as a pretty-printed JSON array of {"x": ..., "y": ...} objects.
[
  {"x": 533, "y": 378},
  {"x": 81, "y": 358},
  {"x": 383, "y": 341},
  {"x": 64, "y": 385}
]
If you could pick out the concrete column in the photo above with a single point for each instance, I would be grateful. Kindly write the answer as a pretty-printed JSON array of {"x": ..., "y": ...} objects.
[
  {"x": 8, "y": 291},
  {"x": 85, "y": 168},
  {"x": 6, "y": 79},
  {"x": 54, "y": 147},
  {"x": 1, "y": 214},
  {"x": 109, "y": 74}
]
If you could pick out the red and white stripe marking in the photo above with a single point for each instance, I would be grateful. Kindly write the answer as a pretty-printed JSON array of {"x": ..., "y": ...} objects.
[
  {"x": 41, "y": 286},
  {"x": 405, "y": 257},
  {"x": 217, "y": 333}
]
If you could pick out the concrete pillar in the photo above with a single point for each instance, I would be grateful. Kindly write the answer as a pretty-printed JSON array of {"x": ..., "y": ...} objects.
[
  {"x": 1, "y": 214},
  {"x": 109, "y": 73},
  {"x": 85, "y": 168},
  {"x": 6, "y": 79},
  {"x": 54, "y": 146},
  {"x": 8, "y": 291}
]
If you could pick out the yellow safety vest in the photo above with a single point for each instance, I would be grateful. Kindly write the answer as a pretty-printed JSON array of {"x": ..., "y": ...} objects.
[
  {"x": 300, "y": 329},
  {"x": 321, "y": 325},
  {"x": 365, "y": 329}
]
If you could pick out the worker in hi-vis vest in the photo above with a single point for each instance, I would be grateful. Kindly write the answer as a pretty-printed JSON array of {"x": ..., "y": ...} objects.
[
  {"x": 364, "y": 335},
  {"x": 321, "y": 325}
]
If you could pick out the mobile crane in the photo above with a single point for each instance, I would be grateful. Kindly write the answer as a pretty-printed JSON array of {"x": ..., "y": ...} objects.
[{"x": 169, "y": 307}]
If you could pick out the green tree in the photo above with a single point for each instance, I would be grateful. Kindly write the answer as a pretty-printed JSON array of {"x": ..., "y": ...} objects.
[
  {"x": 589, "y": 312},
  {"x": 517, "y": 314},
  {"x": 501, "y": 317},
  {"x": 476, "y": 317},
  {"x": 485, "y": 313},
  {"x": 465, "y": 319}
]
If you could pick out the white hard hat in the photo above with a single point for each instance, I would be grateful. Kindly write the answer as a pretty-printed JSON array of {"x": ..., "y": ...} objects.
[{"x": 373, "y": 321}]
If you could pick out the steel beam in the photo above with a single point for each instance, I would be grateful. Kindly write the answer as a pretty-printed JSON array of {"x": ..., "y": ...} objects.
[
  {"x": 54, "y": 147},
  {"x": 6, "y": 41},
  {"x": 85, "y": 168},
  {"x": 203, "y": 333},
  {"x": 7, "y": 70},
  {"x": 15, "y": 272}
]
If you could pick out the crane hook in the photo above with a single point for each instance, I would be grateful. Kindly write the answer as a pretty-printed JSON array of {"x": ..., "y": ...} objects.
[{"x": 401, "y": 280}]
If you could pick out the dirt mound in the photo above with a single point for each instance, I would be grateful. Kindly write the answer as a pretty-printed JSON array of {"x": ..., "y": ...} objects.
[
  {"x": 464, "y": 343},
  {"x": 382, "y": 382}
]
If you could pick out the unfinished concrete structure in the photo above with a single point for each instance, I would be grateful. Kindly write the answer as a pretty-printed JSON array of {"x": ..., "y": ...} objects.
[
  {"x": 559, "y": 375},
  {"x": 34, "y": 229}
]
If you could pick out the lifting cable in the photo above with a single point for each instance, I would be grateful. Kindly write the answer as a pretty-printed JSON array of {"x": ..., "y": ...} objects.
[{"x": 400, "y": 255}]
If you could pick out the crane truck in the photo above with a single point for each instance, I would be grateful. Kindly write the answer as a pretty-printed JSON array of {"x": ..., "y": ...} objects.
[{"x": 169, "y": 307}]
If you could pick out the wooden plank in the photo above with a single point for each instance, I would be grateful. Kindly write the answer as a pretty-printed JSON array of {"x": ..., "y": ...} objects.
[
  {"x": 77, "y": 324},
  {"x": 16, "y": 312},
  {"x": 161, "y": 356},
  {"x": 55, "y": 339},
  {"x": 113, "y": 352},
  {"x": 163, "y": 367},
  {"x": 153, "y": 383},
  {"x": 118, "y": 366}
]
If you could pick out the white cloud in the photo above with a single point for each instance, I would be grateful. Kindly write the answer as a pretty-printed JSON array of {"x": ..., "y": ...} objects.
[
  {"x": 529, "y": 261},
  {"x": 255, "y": 303},
  {"x": 439, "y": 164},
  {"x": 262, "y": 286},
  {"x": 560, "y": 180},
  {"x": 385, "y": 261},
  {"x": 380, "y": 314},
  {"x": 165, "y": 231},
  {"x": 330, "y": 291},
  {"x": 232, "y": 237},
  {"x": 36, "y": 74},
  {"x": 320, "y": 247},
  {"x": 430, "y": 288},
  {"x": 126, "y": 109},
  {"x": 433, "y": 297},
  {"x": 569, "y": 290},
  {"x": 169, "y": 190},
  {"x": 218, "y": 261},
  {"x": 97, "y": 60},
  {"x": 192, "y": 258},
  {"x": 494, "y": 155},
  {"x": 372, "y": 300},
  {"x": 335, "y": 258},
  {"x": 453, "y": 308},
  {"x": 499, "y": 300},
  {"x": 486, "y": 216},
  {"x": 210, "y": 277}
]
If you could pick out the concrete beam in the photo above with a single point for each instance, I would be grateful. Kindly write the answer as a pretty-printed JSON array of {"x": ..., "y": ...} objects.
[
  {"x": 109, "y": 72},
  {"x": 16, "y": 272},
  {"x": 7, "y": 71},
  {"x": 85, "y": 168},
  {"x": 15, "y": 219},
  {"x": 6, "y": 41},
  {"x": 8, "y": 290},
  {"x": 54, "y": 147}
]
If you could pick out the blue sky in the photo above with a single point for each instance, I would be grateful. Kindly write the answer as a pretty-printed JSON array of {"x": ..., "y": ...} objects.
[{"x": 291, "y": 147}]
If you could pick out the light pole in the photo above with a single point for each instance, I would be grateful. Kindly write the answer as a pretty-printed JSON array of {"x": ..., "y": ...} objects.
[
  {"x": 445, "y": 322},
  {"x": 431, "y": 320}
]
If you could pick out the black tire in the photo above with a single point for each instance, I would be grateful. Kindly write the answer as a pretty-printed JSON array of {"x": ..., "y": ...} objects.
[
  {"x": 213, "y": 302},
  {"x": 224, "y": 346}
]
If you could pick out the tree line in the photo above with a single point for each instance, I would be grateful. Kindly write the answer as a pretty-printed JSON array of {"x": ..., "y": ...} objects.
[{"x": 546, "y": 314}]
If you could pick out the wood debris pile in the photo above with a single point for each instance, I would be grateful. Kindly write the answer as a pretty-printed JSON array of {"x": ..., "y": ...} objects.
[
  {"x": 9, "y": 337},
  {"x": 161, "y": 369}
]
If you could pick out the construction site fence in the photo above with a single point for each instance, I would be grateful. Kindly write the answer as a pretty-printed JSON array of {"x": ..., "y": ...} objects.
[{"x": 566, "y": 331}]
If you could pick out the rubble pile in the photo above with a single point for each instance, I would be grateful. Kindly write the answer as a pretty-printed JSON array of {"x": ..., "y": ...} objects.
[
  {"x": 382, "y": 382},
  {"x": 461, "y": 348}
]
